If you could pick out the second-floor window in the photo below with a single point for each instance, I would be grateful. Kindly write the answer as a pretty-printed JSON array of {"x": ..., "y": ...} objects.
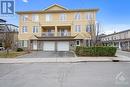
[
  {"x": 25, "y": 18},
  {"x": 35, "y": 18},
  {"x": 62, "y": 17},
  {"x": 77, "y": 16},
  {"x": 35, "y": 29},
  {"x": 48, "y": 17},
  {"x": 77, "y": 28},
  {"x": 88, "y": 28},
  {"x": 24, "y": 29}
]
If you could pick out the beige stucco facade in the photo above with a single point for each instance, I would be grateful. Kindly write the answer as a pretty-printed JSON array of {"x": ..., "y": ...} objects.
[{"x": 60, "y": 20}]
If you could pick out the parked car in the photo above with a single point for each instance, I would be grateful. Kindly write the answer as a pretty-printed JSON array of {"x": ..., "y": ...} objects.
[{"x": 2, "y": 48}]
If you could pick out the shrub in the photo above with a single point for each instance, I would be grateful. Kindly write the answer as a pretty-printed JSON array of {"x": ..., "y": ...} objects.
[
  {"x": 19, "y": 49},
  {"x": 95, "y": 51}
]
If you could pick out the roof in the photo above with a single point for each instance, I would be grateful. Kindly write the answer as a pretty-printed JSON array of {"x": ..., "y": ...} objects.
[
  {"x": 55, "y": 5},
  {"x": 1, "y": 20},
  {"x": 66, "y": 38},
  {"x": 116, "y": 33},
  {"x": 83, "y": 36},
  {"x": 62, "y": 9}
]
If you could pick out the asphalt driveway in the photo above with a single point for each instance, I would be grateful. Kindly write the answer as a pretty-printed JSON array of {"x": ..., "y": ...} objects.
[{"x": 42, "y": 54}]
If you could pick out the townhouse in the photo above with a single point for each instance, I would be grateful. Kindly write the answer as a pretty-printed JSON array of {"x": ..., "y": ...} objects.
[
  {"x": 121, "y": 40},
  {"x": 56, "y": 28}
]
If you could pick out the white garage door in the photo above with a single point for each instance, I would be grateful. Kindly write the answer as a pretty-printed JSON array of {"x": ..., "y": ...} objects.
[
  {"x": 49, "y": 46},
  {"x": 63, "y": 46}
]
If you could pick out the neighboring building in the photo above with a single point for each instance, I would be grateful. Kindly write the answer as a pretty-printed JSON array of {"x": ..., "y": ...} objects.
[
  {"x": 120, "y": 40},
  {"x": 56, "y": 28},
  {"x": 8, "y": 32}
]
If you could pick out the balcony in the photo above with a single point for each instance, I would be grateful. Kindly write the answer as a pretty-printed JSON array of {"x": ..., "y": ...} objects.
[
  {"x": 48, "y": 34},
  {"x": 63, "y": 34}
]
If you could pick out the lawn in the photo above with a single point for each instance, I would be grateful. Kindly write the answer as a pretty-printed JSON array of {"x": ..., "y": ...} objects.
[{"x": 12, "y": 54}]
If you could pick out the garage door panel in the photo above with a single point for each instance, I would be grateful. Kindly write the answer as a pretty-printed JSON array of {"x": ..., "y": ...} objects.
[
  {"x": 49, "y": 46},
  {"x": 62, "y": 46}
]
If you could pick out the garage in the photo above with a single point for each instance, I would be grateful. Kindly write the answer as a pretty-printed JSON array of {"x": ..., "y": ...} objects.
[
  {"x": 63, "y": 46},
  {"x": 49, "y": 46}
]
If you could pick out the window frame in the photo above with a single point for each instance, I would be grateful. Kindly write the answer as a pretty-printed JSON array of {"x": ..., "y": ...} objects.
[
  {"x": 24, "y": 29},
  {"x": 48, "y": 17},
  {"x": 78, "y": 42},
  {"x": 77, "y": 16},
  {"x": 77, "y": 28}
]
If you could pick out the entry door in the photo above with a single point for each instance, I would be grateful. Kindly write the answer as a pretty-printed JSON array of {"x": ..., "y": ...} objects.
[
  {"x": 34, "y": 45},
  {"x": 49, "y": 46},
  {"x": 63, "y": 46}
]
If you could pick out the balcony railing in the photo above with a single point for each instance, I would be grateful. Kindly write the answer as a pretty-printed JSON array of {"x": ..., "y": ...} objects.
[
  {"x": 63, "y": 34},
  {"x": 48, "y": 34},
  {"x": 51, "y": 34}
]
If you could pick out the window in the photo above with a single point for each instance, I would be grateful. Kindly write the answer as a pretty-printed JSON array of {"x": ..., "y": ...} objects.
[
  {"x": 77, "y": 16},
  {"x": 24, "y": 43},
  {"x": 24, "y": 29},
  {"x": 77, "y": 42},
  {"x": 89, "y": 16},
  {"x": 35, "y": 29},
  {"x": 25, "y": 18},
  {"x": 48, "y": 17},
  {"x": 88, "y": 28},
  {"x": 35, "y": 18},
  {"x": 77, "y": 28},
  {"x": 63, "y": 17}
]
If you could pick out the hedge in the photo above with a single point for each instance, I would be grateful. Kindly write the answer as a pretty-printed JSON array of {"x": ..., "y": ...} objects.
[
  {"x": 19, "y": 49},
  {"x": 95, "y": 51}
]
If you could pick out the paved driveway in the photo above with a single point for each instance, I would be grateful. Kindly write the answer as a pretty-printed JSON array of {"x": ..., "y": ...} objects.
[
  {"x": 123, "y": 53},
  {"x": 41, "y": 54}
]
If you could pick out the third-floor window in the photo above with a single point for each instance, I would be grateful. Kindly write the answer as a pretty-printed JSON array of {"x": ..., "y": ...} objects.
[
  {"x": 48, "y": 17},
  {"x": 89, "y": 16},
  {"x": 35, "y": 18},
  {"x": 77, "y": 16},
  {"x": 25, "y": 17},
  {"x": 63, "y": 17}
]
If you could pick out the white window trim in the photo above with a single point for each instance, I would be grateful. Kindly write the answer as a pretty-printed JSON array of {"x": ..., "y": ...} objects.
[
  {"x": 64, "y": 17},
  {"x": 25, "y": 18},
  {"x": 35, "y": 29},
  {"x": 48, "y": 17},
  {"x": 76, "y": 28},
  {"x": 35, "y": 18},
  {"x": 76, "y": 42},
  {"x": 77, "y": 16},
  {"x": 23, "y": 31}
]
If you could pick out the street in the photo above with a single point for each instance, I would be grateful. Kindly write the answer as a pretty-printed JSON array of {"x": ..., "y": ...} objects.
[{"x": 82, "y": 74}]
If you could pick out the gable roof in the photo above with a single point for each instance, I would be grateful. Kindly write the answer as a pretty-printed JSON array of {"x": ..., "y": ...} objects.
[
  {"x": 55, "y": 5},
  {"x": 57, "y": 9},
  {"x": 83, "y": 36}
]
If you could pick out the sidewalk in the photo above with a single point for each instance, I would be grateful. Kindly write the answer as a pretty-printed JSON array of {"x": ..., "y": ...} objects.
[{"x": 62, "y": 60}]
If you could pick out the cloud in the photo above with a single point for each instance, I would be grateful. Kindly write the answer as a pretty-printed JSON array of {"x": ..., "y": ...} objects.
[{"x": 25, "y": 1}]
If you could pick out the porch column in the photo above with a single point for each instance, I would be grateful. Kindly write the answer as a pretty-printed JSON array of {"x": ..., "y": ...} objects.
[
  {"x": 128, "y": 45},
  {"x": 119, "y": 46},
  {"x": 56, "y": 31},
  {"x": 89, "y": 43}
]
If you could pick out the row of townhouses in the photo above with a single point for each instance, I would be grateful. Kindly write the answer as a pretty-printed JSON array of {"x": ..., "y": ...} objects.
[
  {"x": 121, "y": 40},
  {"x": 8, "y": 35},
  {"x": 56, "y": 28}
]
